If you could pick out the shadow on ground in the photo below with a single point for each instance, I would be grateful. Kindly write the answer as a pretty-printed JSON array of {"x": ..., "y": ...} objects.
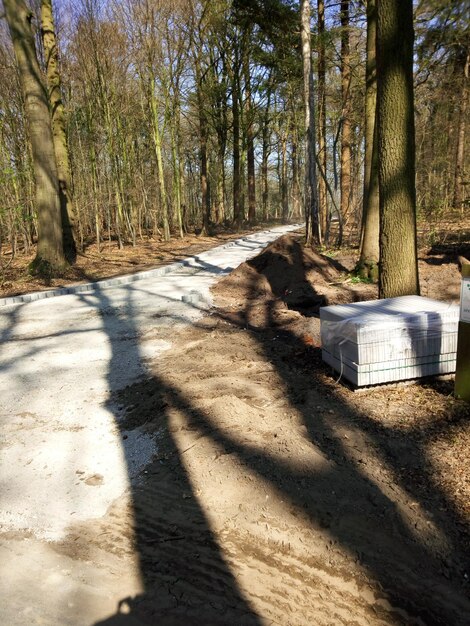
[{"x": 187, "y": 580}]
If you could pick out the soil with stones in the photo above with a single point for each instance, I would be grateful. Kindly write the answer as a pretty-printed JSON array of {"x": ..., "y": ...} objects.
[{"x": 279, "y": 496}]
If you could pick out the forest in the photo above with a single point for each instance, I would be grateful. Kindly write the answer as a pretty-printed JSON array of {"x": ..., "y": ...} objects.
[
  {"x": 182, "y": 116},
  {"x": 206, "y": 414}
]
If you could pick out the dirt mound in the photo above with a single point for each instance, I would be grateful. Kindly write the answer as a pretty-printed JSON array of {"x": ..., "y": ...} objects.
[{"x": 295, "y": 275}]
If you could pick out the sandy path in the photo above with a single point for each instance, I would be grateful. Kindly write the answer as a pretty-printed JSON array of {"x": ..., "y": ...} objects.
[{"x": 63, "y": 458}]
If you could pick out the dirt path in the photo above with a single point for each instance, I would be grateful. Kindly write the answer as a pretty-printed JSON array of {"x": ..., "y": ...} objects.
[
  {"x": 296, "y": 500},
  {"x": 64, "y": 460},
  {"x": 280, "y": 497},
  {"x": 319, "y": 512},
  {"x": 274, "y": 495}
]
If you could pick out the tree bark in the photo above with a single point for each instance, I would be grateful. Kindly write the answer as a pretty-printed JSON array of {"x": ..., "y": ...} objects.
[
  {"x": 157, "y": 141},
  {"x": 369, "y": 258},
  {"x": 58, "y": 129},
  {"x": 460, "y": 150},
  {"x": 284, "y": 197},
  {"x": 176, "y": 162},
  {"x": 322, "y": 153},
  {"x": 296, "y": 212},
  {"x": 265, "y": 153},
  {"x": 313, "y": 233},
  {"x": 398, "y": 273},
  {"x": 250, "y": 142},
  {"x": 50, "y": 257},
  {"x": 221, "y": 128},
  {"x": 205, "y": 195},
  {"x": 203, "y": 160},
  {"x": 238, "y": 216},
  {"x": 345, "y": 173}
]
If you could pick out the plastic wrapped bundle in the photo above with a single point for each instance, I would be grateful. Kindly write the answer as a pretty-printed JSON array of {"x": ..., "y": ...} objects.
[{"x": 379, "y": 341}]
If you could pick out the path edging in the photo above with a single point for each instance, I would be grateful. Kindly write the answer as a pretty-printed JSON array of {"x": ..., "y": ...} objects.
[{"x": 121, "y": 280}]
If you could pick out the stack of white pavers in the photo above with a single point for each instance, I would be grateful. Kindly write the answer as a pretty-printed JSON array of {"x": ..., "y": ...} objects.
[{"x": 379, "y": 341}]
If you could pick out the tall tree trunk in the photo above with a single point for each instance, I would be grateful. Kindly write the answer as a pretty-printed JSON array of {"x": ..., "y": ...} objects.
[
  {"x": 219, "y": 78},
  {"x": 296, "y": 212},
  {"x": 176, "y": 163},
  {"x": 251, "y": 173},
  {"x": 243, "y": 157},
  {"x": 203, "y": 159},
  {"x": 345, "y": 175},
  {"x": 313, "y": 233},
  {"x": 322, "y": 153},
  {"x": 157, "y": 142},
  {"x": 396, "y": 136},
  {"x": 284, "y": 196},
  {"x": 265, "y": 135},
  {"x": 460, "y": 150},
  {"x": 264, "y": 169},
  {"x": 205, "y": 194},
  {"x": 219, "y": 192},
  {"x": 368, "y": 262},
  {"x": 238, "y": 216},
  {"x": 59, "y": 129},
  {"x": 250, "y": 144},
  {"x": 50, "y": 257}
]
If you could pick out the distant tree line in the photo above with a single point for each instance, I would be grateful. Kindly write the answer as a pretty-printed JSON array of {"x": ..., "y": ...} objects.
[{"x": 168, "y": 116}]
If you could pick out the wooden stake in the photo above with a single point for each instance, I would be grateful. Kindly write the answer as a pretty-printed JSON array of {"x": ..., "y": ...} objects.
[{"x": 462, "y": 374}]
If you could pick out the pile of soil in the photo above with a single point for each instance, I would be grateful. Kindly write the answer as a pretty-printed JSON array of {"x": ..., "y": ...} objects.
[
  {"x": 286, "y": 285},
  {"x": 290, "y": 271}
]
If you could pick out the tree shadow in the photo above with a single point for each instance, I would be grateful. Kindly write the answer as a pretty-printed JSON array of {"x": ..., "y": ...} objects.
[
  {"x": 419, "y": 570},
  {"x": 11, "y": 320},
  {"x": 185, "y": 576},
  {"x": 380, "y": 533},
  {"x": 448, "y": 247}
]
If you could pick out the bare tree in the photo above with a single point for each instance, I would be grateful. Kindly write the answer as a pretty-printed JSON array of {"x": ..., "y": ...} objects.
[
  {"x": 311, "y": 191},
  {"x": 398, "y": 250},
  {"x": 460, "y": 148},
  {"x": 345, "y": 173},
  {"x": 50, "y": 257},
  {"x": 59, "y": 135},
  {"x": 368, "y": 262}
]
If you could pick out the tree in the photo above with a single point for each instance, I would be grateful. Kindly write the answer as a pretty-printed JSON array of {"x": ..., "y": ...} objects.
[
  {"x": 266, "y": 143},
  {"x": 234, "y": 71},
  {"x": 50, "y": 257},
  {"x": 459, "y": 179},
  {"x": 250, "y": 144},
  {"x": 311, "y": 192},
  {"x": 396, "y": 144},
  {"x": 368, "y": 261},
  {"x": 322, "y": 153},
  {"x": 345, "y": 176},
  {"x": 59, "y": 135}
]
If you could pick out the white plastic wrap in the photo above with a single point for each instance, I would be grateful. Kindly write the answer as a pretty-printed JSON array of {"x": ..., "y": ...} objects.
[
  {"x": 375, "y": 373},
  {"x": 394, "y": 334},
  {"x": 370, "y": 328}
]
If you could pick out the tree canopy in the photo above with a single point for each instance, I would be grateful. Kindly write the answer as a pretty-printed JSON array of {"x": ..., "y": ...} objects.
[{"x": 187, "y": 114}]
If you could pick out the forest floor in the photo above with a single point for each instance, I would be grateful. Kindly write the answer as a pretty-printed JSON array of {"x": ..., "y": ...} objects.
[
  {"x": 108, "y": 260},
  {"x": 279, "y": 495}
]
